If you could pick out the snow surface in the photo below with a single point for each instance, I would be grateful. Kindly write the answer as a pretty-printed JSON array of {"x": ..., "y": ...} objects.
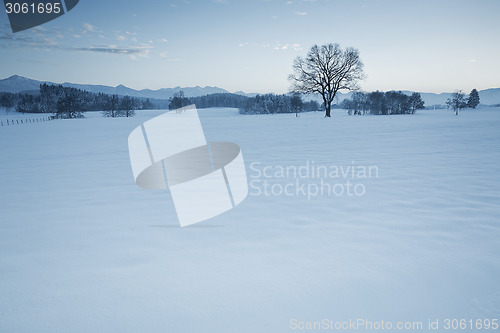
[{"x": 83, "y": 249}]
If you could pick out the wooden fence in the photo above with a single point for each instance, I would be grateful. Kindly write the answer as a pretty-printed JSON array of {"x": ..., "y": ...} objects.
[{"x": 12, "y": 122}]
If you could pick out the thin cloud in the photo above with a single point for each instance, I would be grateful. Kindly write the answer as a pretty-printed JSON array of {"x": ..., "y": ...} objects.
[
  {"x": 109, "y": 50},
  {"x": 133, "y": 52},
  {"x": 51, "y": 39},
  {"x": 164, "y": 55},
  {"x": 90, "y": 30},
  {"x": 281, "y": 47},
  {"x": 88, "y": 27},
  {"x": 300, "y": 13},
  {"x": 20, "y": 40},
  {"x": 295, "y": 47}
]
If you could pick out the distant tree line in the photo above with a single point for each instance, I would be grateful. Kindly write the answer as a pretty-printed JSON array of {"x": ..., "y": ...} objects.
[
  {"x": 66, "y": 102},
  {"x": 120, "y": 107},
  {"x": 217, "y": 100},
  {"x": 8, "y": 100},
  {"x": 220, "y": 100},
  {"x": 383, "y": 103},
  {"x": 260, "y": 104},
  {"x": 271, "y": 104}
]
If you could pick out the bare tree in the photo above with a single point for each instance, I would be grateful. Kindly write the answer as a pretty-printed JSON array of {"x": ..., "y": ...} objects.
[
  {"x": 416, "y": 102},
  {"x": 325, "y": 70},
  {"x": 457, "y": 101}
]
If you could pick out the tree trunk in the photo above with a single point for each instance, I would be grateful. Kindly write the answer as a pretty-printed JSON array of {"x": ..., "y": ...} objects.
[
  {"x": 327, "y": 105},
  {"x": 327, "y": 109}
]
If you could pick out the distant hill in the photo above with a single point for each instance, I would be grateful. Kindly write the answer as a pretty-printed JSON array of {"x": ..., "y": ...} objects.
[
  {"x": 490, "y": 96},
  {"x": 16, "y": 83}
]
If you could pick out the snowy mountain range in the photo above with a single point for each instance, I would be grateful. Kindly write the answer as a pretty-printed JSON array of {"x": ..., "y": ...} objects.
[{"x": 16, "y": 83}]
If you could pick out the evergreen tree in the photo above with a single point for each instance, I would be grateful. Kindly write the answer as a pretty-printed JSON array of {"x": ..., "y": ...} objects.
[
  {"x": 377, "y": 102},
  {"x": 111, "y": 107},
  {"x": 147, "y": 105},
  {"x": 69, "y": 104},
  {"x": 28, "y": 104},
  {"x": 296, "y": 104},
  {"x": 178, "y": 101},
  {"x": 7, "y": 100},
  {"x": 49, "y": 95},
  {"x": 473, "y": 99}
]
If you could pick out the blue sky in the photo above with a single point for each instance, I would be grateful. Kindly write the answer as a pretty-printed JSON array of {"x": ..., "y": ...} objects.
[{"x": 427, "y": 46}]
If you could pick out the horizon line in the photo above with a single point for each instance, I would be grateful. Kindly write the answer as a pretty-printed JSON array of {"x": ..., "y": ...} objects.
[{"x": 231, "y": 92}]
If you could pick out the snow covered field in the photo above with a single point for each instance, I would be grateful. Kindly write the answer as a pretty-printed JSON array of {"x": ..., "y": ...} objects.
[{"x": 83, "y": 249}]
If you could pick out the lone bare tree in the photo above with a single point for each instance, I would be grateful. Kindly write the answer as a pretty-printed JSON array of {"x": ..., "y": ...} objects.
[
  {"x": 457, "y": 101},
  {"x": 325, "y": 70}
]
